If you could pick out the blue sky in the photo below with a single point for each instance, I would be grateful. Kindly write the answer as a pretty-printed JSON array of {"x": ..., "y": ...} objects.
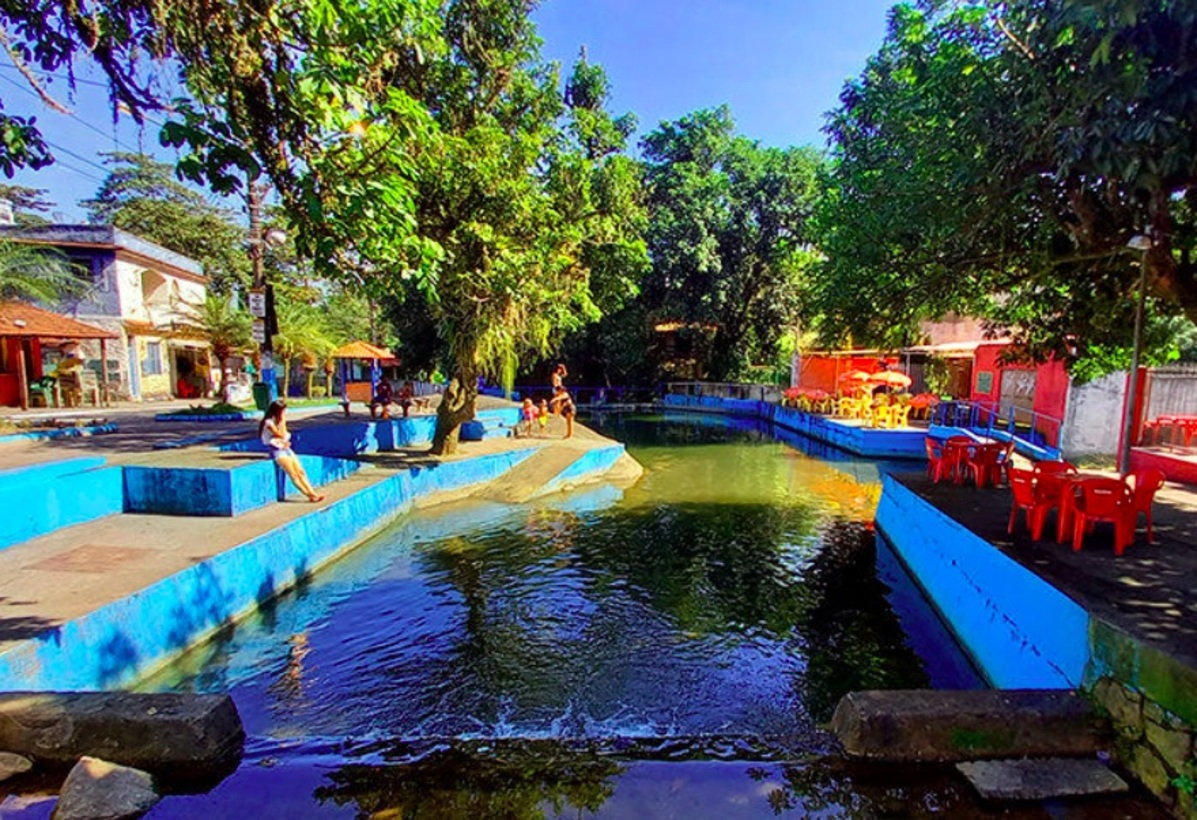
[{"x": 779, "y": 64}]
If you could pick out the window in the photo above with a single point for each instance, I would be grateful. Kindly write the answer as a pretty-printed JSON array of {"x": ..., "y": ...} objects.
[{"x": 151, "y": 365}]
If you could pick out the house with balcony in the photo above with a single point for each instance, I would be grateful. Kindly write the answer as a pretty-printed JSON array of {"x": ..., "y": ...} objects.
[{"x": 145, "y": 295}]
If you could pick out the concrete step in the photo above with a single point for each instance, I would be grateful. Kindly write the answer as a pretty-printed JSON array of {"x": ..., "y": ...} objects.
[
  {"x": 1042, "y": 778},
  {"x": 954, "y": 726},
  {"x": 42, "y": 498}
]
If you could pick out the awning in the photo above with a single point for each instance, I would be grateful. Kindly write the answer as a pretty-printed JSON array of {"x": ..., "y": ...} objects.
[
  {"x": 361, "y": 350},
  {"x": 950, "y": 350}
]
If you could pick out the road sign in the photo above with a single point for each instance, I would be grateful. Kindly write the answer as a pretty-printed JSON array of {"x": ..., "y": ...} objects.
[
  {"x": 257, "y": 304},
  {"x": 259, "y": 331}
]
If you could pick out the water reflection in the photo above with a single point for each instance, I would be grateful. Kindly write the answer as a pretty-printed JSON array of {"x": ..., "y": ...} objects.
[{"x": 719, "y": 607}]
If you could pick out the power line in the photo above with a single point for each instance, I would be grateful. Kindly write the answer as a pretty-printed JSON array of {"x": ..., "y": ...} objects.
[{"x": 73, "y": 114}]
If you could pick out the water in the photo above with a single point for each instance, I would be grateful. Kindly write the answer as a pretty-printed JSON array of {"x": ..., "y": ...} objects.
[{"x": 673, "y": 647}]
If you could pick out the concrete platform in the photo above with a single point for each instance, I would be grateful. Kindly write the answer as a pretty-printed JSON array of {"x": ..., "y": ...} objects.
[
  {"x": 1041, "y": 779},
  {"x": 940, "y": 726}
]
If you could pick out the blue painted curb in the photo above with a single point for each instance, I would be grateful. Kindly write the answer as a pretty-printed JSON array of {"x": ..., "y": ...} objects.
[
  {"x": 1021, "y": 631},
  {"x": 206, "y": 417},
  {"x": 62, "y": 432}
]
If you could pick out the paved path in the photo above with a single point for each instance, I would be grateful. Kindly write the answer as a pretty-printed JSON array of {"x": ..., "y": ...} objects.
[{"x": 1150, "y": 591}]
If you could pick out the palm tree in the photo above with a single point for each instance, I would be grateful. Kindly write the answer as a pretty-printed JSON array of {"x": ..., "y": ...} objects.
[
  {"x": 36, "y": 274},
  {"x": 227, "y": 327},
  {"x": 302, "y": 331}
]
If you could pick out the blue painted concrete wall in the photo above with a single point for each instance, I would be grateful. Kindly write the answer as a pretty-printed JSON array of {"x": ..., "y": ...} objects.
[
  {"x": 1021, "y": 631},
  {"x": 65, "y": 432},
  {"x": 591, "y": 462},
  {"x": 222, "y": 491},
  {"x": 864, "y": 441},
  {"x": 42, "y": 498},
  {"x": 114, "y": 645}
]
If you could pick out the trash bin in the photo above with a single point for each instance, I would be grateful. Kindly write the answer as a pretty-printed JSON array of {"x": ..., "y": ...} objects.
[{"x": 263, "y": 395}]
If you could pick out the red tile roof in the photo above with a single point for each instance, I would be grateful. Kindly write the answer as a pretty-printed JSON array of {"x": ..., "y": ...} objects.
[{"x": 20, "y": 319}]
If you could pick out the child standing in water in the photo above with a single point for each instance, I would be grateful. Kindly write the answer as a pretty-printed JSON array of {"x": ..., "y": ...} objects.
[
  {"x": 274, "y": 434},
  {"x": 543, "y": 417}
]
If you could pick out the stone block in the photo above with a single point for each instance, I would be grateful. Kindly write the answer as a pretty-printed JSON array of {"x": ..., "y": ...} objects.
[
  {"x": 98, "y": 790},
  {"x": 953, "y": 726},
  {"x": 1124, "y": 706},
  {"x": 1174, "y": 746},
  {"x": 1148, "y": 769},
  {"x": 1042, "y": 778},
  {"x": 12, "y": 765},
  {"x": 179, "y": 737}
]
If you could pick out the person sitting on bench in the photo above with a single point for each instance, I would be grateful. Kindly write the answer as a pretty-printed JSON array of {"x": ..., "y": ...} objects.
[{"x": 384, "y": 396}]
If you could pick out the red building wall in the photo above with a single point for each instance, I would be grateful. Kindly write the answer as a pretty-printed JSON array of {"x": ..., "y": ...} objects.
[
  {"x": 10, "y": 393},
  {"x": 823, "y": 372}
]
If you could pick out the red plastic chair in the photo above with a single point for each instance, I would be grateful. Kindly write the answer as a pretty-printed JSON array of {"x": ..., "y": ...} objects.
[
  {"x": 956, "y": 450},
  {"x": 1147, "y": 483},
  {"x": 1022, "y": 487},
  {"x": 984, "y": 464},
  {"x": 936, "y": 464},
  {"x": 1051, "y": 483},
  {"x": 1104, "y": 500}
]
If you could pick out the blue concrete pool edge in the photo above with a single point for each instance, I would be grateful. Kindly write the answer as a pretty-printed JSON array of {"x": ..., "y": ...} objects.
[
  {"x": 62, "y": 432},
  {"x": 862, "y": 441},
  {"x": 1020, "y": 631},
  {"x": 113, "y": 646}
]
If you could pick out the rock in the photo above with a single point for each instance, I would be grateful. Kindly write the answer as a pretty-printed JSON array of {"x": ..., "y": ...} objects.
[
  {"x": 953, "y": 726},
  {"x": 98, "y": 790},
  {"x": 1173, "y": 745},
  {"x": 12, "y": 765},
  {"x": 175, "y": 736},
  {"x": 1041, "y": 778},
  {"x": 1147, "y": 767}
]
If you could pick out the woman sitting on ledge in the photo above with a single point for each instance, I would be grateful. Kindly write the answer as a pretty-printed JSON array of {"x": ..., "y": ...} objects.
[{"x": 273, "y": 432}]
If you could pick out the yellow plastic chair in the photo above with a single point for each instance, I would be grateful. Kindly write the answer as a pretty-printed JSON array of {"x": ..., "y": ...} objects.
[
  {"x": 901, "y": 416},
  {"x": 848, "y": 407},
  {"x": 883, "y": 416}
]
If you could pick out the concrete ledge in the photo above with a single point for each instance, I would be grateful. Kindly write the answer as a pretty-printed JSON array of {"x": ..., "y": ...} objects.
[
  {"x": 591, "y": 465},
  {"x": 1020, "y": 631},
  {"x": 176, "y": 736},
  {"x": 215, "y": 491},
  {"x": 1041, "y": 779},
  {"x": 116, "y": 644},
  {"x": 64, "y": 432},
  {"x": 42, "y": 498},
  {"x": 206, "y": 417},
  {"x": 950, "y": 726},
  {"x": 863, "y": 441}
]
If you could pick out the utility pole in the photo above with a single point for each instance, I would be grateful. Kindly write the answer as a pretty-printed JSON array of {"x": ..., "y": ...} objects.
[
  {"x": 1143, "y": 244},
  {"x": 261, "y": 298}
]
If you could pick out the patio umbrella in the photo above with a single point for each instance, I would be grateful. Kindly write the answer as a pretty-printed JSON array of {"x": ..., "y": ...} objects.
[
  {"x": 890, "y": 378},
  {"x": 858, "y": 376}
]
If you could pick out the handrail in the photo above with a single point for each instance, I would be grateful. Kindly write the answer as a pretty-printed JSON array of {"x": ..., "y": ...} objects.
[
  {"x": 727, "y": 390},
  {"x": 989, "y": 416}
]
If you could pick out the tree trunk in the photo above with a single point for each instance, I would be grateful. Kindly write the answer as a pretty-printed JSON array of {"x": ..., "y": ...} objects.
[{"x": 457, "y": 406}]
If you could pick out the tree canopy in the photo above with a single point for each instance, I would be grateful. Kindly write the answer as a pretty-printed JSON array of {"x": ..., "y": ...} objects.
[
  {"x": 996, "y": 159},
  {"x": 141, "y": 195},
  {"x": 729, "y": 236}
]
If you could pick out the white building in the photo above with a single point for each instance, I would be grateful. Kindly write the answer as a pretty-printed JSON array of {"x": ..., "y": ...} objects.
[{"x": 143, "y": 292}]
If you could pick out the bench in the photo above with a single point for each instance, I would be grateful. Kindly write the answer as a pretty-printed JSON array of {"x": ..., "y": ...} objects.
[{"x": 363, "y": 392}]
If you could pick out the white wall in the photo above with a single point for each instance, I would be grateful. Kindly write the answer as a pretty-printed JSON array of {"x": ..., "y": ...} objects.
[{"x": 1093, "y": 418}]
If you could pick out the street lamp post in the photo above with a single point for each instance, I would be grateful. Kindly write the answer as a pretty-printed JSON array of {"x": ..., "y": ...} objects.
[
  {"x": 264, "y": 309},
  {"x": 1142, "y": 244}
]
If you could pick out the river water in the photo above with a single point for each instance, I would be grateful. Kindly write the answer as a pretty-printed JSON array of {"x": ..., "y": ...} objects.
[{"x": 668, "y": 649}]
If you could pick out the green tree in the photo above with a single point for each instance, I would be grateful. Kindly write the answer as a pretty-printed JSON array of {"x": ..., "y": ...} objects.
[
  {"x": 28, "y": 204},
  {"x": 227, "y": 328},
  {"x": 37, "y": 274},
  {"x": 729, "y": 236},
  {"x": 302, "y": 332},
  {"x": 996, "y": 159},
  {"x": 141, "y": 195}
]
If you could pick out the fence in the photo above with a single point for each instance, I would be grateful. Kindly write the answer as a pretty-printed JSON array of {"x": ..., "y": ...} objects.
[
  {"x": 727, "y": 390},
  {"x": 1171, "y": 391},
  {"x": 1035, "y": 428}
]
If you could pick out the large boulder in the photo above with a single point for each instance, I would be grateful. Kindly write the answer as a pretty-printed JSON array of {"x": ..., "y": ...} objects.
[
  {"x": 98, "y": 790},
  {"x": 926, "y": 725},
  {"x": 178, "y": 737}
]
